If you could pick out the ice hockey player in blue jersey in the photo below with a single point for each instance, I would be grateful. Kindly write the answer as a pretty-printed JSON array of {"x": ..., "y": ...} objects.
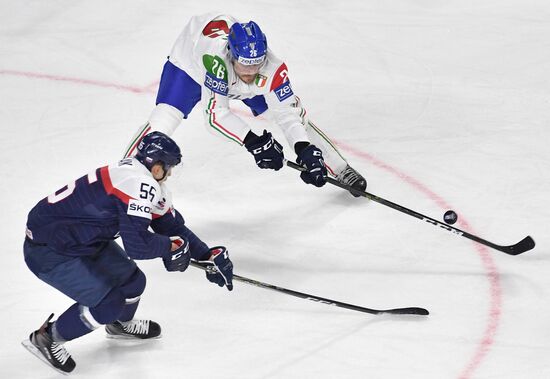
[{"x": 70, "y": 244}]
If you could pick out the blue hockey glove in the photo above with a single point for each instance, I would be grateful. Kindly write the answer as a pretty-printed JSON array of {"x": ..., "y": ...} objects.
[
  {"x": 220, "y": 267},
  {"x": 267, "y": 152},
  {"x": 312, "y": 159},
  {"x": 177, "y": 259}
]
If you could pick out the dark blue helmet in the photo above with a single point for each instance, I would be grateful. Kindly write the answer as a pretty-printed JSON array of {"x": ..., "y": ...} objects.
[
  {"x": 158, "y": 147},
  {"x": 247, "y": 43}
]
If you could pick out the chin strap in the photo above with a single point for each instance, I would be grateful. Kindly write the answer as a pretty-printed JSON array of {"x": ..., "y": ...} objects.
[{"x": 165, "y": 172}]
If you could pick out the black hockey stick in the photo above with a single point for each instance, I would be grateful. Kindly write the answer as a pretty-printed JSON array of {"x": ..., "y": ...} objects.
[
  {"x": 317, "y": 299},
  {"x": 522, "y": 246}
]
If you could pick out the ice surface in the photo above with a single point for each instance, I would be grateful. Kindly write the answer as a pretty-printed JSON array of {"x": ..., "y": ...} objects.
[{"x": 441, "y": 105}]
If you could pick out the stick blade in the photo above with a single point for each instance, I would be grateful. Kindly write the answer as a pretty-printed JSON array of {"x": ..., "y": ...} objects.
[
  {"x": 522, "y": 246},
  {"x": 407, "y": 311}
]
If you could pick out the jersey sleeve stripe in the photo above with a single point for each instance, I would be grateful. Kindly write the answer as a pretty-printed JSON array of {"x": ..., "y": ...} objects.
[
  {"x": 137, "y": 140},
  {"x": 217, "y": 126},
  {"x": 110, "y": 189},
  {"x": 325, "y": 137},
  {"x": 330, "y": 170}
]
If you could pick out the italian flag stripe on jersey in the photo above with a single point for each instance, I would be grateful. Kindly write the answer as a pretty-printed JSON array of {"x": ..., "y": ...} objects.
[
  {"x": 324, "y": 136},
  {"x": 217, "y": 126},
  {"x": 141, "y": 133}
]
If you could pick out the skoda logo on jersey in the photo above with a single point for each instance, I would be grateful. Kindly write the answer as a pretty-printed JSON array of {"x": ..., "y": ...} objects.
[
  {"x": 284, "y": 91},
  {"x": 139, "y": 209},
  {"x": 215, "y": 84}
]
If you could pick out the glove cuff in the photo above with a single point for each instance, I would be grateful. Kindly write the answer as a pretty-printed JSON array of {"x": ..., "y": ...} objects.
[
  {"x": 211, "y": 253},
  {"x": 215, "y": 251},
  {"x": 305, "y": 151},
  {"x": 300, "y": 146}
]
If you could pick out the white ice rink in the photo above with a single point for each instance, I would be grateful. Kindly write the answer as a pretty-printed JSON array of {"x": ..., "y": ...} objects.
[{"x": 440, "y": 104}]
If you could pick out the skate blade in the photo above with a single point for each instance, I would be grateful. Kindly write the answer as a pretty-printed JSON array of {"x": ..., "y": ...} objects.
[
  {"x": 27, "y": 344},
  {"x": 130, "y": 338}
]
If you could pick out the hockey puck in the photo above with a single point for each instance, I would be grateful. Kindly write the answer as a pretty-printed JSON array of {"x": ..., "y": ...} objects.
[{"x": 450, "y": 217}]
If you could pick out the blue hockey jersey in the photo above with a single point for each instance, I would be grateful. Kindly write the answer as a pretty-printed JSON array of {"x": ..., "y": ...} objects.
[{"x": 120, "y": 199}]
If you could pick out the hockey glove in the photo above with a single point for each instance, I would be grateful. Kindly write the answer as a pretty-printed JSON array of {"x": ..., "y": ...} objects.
[
  {"x": 267, "y": 152},
  {"x": 220, "y": 267},
  {"x": 177, "y": 259},
  {"x": 312, "y": 159}
]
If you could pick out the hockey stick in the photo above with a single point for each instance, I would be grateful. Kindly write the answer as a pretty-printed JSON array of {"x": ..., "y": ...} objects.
[
  {"x": 522, "y": 246},
  {"x": 317, "y": 299}
]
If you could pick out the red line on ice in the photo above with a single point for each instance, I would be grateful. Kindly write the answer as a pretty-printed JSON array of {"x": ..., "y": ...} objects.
[
  {"x": 96, "y": 83},
  {"x": 491, "y": 270},
  {"x": 492, "y": 273}
]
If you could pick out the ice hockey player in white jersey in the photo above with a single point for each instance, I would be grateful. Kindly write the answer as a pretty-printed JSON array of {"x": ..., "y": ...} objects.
[
  {"x": 217, "y": 59},
  {"x": 70, "y": 245}
]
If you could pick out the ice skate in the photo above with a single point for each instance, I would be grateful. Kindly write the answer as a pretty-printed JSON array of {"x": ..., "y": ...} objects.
[
  {"x": 353, "y": 179},
  {"x": 133, "y": 329},
  {"x": 42, "y": 345}
]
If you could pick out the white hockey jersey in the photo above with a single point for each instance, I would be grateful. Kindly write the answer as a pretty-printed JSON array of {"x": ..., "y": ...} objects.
[
  {"x": 202, "y": 52},
  {"x": 133, "y": 183},
  {"x": 120, "y": 199}
]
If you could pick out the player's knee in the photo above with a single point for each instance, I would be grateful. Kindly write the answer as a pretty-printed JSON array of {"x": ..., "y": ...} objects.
[
  {"x": 110, "y": 308},
  {"x": 135, "y": 285}
]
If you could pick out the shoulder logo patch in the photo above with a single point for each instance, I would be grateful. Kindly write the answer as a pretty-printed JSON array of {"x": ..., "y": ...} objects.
[
  {"x": 216, "y": 85},
  {"x": 261, "y": 80},
  {"x": 216, "y": 28},
  {"x": 216, "y": 74},
  {"x": 215, "y": 66},
  {"x": 284, "y": 91},
  {"x": 280, "y": 77}
]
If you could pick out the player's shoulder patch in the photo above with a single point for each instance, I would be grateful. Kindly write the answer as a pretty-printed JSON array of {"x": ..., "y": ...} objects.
[
  {"x": 280, "y": 77},
  {"x": 260, "y": 80},
  {"x": 216, "y": 28},
  {"x": 215, "y": 65},
  {"x": 216, "y": 77},
  {"x": 163, "y": 203},
  {"x": 280, "y": 84}
]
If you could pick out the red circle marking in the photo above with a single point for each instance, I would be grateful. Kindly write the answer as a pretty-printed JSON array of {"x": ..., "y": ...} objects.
[
  {"x": 489, "y": 265},
  {"x": 491, "y": 270}
]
